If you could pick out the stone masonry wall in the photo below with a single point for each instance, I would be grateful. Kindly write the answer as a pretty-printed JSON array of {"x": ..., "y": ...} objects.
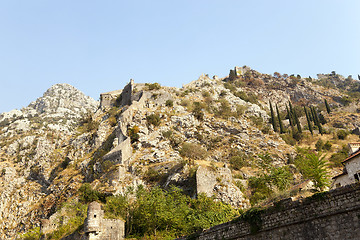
[{"x": 331, "y": 215}]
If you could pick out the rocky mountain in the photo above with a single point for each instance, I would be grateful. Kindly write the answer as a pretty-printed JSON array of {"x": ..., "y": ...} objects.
[
  {"x": 31, "y": 142},
  {"x": 213, "y": 136}
]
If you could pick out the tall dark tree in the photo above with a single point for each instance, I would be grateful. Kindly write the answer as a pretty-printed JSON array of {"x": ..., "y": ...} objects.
[
  {"x": 273, "y": 120},
  {"x": 295, "y": 118},
  {"x": 327, "y": 107},
  {"x": 290, "y": 117},
  {"x": 291, "y": 107},
  {"x": 280, "y": 121},
  {"x": 308, "y": 120},
  {"x": 317, "y": 122},
  {"x": 297, "y": 122},
  {"x": 312, "y": 110}
]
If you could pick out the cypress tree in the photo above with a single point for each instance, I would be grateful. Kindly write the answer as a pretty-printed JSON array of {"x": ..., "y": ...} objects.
[
  {"x": 295, "y": 118},
  {"x": 317, "y": 122},
  {"x": 308, "y": 120},
  {"x": 273, "y": 121},
  {"x": 297, "y": 122},
  {"x": 289, "y": 116},
  {"x": 313, "y": 115},
  {"x": 327, "y": 107},
  {"x": 292, "y": 113},
  {"x": 291, "y": 107},
  {"x": 310, "y": 115},
  {"x": 279, "y": 118}
]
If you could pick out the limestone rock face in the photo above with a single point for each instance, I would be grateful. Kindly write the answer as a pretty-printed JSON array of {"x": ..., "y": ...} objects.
[
  {"x": 218, "y": 182},
  {"x": 62, "y": 99},
  {"x": 35, "y": 140},
  {"x": 149, "y": 136}
]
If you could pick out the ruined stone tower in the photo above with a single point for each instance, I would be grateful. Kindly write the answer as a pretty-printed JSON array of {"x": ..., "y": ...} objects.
[
  {"x": 98, "y": 228},
  {"x": 93, "y": 220}
]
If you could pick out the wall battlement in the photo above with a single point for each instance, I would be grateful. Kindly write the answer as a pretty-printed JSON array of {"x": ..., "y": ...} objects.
[{"x": 330, "y": 215}]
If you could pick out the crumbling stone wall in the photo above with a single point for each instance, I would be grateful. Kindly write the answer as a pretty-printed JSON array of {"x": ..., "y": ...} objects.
[
  {"x": 118, "y": 97},
  {"x": 122, "y": 153},
  {"x": 98, "y": 228},
  {"x": 331, "y": 215}
]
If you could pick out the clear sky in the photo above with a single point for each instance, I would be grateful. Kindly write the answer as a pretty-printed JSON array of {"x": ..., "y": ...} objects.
[{"x": 97, "y": 46}]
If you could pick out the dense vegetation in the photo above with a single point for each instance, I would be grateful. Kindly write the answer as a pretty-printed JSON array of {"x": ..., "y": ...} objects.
[{"x": 160, "y": 214}]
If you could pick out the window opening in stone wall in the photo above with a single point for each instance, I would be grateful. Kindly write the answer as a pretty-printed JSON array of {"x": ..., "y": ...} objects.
[
  {"x": 94, "y": 215},
  {"x": 357, "y": 176}
]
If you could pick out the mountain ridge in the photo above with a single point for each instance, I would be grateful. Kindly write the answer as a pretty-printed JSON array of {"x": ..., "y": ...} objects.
[{"x": 211, "y": 136}]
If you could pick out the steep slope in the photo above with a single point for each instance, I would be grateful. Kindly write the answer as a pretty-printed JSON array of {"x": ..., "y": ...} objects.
[
  {"x": 212, "y": 136},
  {"x": 33, "y": 147}
]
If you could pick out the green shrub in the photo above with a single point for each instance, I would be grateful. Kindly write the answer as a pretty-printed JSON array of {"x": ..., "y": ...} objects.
[
  {"x": 153, "y": 176},
  {"x": 87, "y": 194},
  {"x": 240, "y": 110},
  {"x": 345, "y": 100},
  {"x": 281, "y": 177},
  {"x": 224, "y": 111},
  {"x": 337, "y": 158},
  {"x": 133, "y": 133},
  {"x": 185, "y": 103},
  {"x": 342, "y": 134},
  {"x": 237, "y": 162},
  {"x": 73, "y": 215},
  {"x": 193, "y": 151},
  {"x": 327, "y": 146},
  {"x": 260, "y": 188},
  {"x": 288, "y": 139},
  {"x": 169, "y": 103},
  {"x": 167, "y": 134},
  {"x": 266, "y": 129},
  {"x": 257, "y": 121},
  {"x": 322, "y": 119},
  {"x": 88, "y": 124},
  {"x": 116, "y": 207},
  {"x": 153, "y": 119},
  {"x": 319, "y": 145},
  {"x": 171, "y": 214},
  {"x": 106, "y": 165},
  {"x": 247, "y": 97},
  {"x": 313, "y": 166},
  {"x": 32, "y": 234},
  {"x": 229, "y": 86},
  {"x": 113, "y": 115},
  {"x": 152, "y": 86},
  {"x": 198, "y": 110}
]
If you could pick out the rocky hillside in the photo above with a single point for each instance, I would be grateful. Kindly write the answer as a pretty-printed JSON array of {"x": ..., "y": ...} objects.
[
  {"x": 33, "y": 142},
  {"x": 213, "y": 136}
]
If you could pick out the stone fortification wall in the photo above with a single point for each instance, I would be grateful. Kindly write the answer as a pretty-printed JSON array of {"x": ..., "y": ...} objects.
[
  {"x": 98, "y": 228},
  {"x": 331, "y": 215},
  {"x": 119, "y": 97},
  {"x": 112, "y": 229},
  {"x": 121, "y": 153}
]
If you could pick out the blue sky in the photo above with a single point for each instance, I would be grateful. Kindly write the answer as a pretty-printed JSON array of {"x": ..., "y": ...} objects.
[{"x": 97, "y": 46}]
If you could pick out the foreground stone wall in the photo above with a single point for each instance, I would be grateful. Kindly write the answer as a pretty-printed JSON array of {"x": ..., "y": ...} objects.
[{"x": 331, "y": 215}]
